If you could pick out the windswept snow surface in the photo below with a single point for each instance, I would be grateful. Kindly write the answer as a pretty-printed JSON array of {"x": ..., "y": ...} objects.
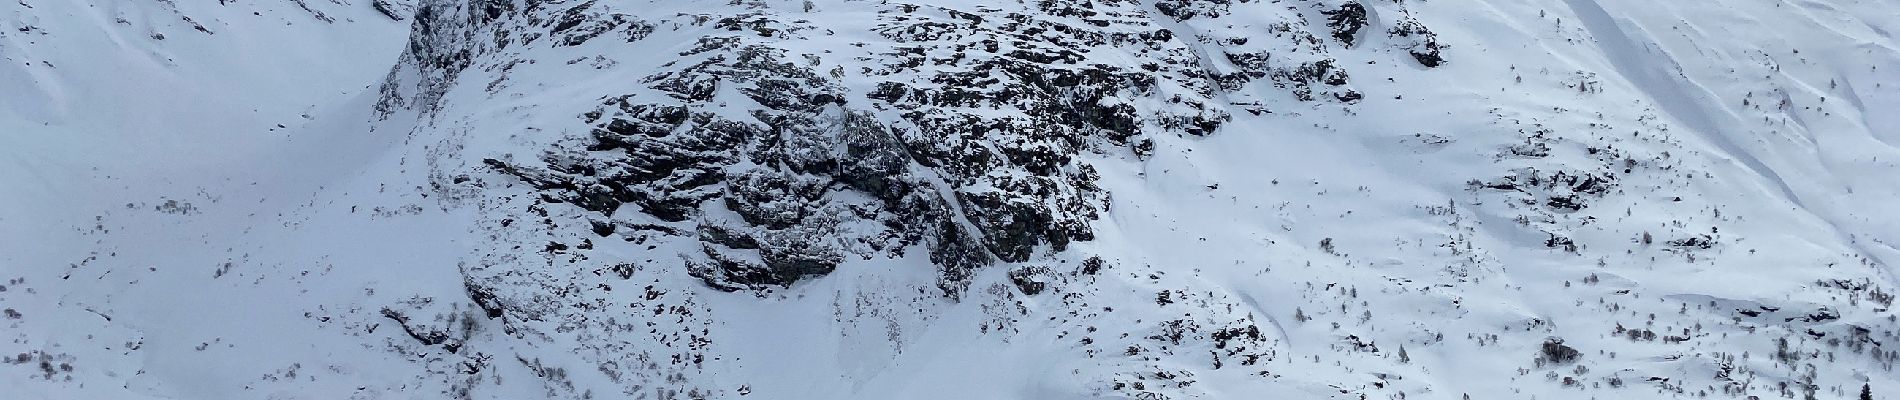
[{"x": 1484, "y": 199}]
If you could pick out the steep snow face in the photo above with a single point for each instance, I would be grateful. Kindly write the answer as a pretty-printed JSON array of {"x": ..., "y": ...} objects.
[
  {"x": 109, "y": 102},
  {"x": 960, "y": 199},
  {"x": 148, "y": 146}
]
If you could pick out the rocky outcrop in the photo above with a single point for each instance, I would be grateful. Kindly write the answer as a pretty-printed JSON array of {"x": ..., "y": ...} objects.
[
  {"x": 967, "y": 137},
  {"x": 771, "y": 151}
]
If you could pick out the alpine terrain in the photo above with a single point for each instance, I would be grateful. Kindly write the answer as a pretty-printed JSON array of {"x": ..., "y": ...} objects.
[{"x": 954, "y": 199}]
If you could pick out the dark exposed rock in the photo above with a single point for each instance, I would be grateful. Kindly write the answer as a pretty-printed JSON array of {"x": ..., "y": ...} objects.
[
  {"x": 1182, "y": 10},
  {"x": 395, "y": 10},
  {"x": 582, "y": 22},
  {"x": 1419, "y": 41},
  {"x": 602, "y": 228},
  {"x": 428, "y": 337},
  {"x": 1030, "y": 280},
  {"x": 484, "y": 298},
  {"x": 1565, "y": 203},
  {"x": 1092, "y": 266},
  {"x": 1554, "y": 352},
  {"x": 1560, "y": 242},
  {"x": 1346, "y": 21},
  {"x": 1694, "y": 242}
]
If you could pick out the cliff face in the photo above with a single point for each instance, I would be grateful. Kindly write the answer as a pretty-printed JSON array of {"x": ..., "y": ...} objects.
[{"x": 960, "y": 199}]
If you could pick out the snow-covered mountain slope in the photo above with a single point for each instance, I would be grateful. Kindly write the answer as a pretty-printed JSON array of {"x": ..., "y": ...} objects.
[{"x": 295, "y": 199}]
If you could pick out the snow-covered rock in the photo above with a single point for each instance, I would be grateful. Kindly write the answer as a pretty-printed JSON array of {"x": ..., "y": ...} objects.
[{"x": 783, "y": 199}]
